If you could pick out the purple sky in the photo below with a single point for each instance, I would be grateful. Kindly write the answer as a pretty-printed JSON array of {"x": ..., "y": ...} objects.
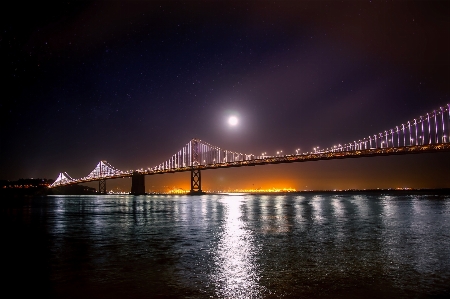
[{"x": 132, "y": 82}]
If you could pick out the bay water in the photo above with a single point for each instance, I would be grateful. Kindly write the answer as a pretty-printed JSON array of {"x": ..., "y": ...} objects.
[{"x": 227, "y": 246}]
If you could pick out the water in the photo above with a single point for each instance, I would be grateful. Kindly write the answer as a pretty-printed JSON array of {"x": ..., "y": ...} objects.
[{"x": 218, "y": 246}]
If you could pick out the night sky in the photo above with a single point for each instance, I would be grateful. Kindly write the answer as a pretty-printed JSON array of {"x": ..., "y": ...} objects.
[{"x": 132, "y": 82}]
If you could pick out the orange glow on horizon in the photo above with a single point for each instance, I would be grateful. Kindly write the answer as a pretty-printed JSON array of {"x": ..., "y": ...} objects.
[{"x": 181, "y": 187}]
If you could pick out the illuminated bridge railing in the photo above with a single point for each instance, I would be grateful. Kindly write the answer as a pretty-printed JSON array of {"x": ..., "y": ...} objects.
[
  {"x": 322, "y": 155},
  {"x": 431, "y": 128},
  {"x": 427, "y": 133}
]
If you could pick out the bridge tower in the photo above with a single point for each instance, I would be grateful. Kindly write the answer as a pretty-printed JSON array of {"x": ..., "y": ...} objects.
[
  {"x": 102, "y": 186},
  {"x": 196, "y": 178},
  {"x": 137, "y": 183},
  {"x": 196, "y": 182},
  {"x": 102, "y": 182}
]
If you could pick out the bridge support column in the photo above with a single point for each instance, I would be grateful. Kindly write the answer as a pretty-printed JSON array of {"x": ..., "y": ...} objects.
[
  {"x": 137, "y": 184},
  {"x": 102, "y": 187},
  {"x": 196, "y": 182}
]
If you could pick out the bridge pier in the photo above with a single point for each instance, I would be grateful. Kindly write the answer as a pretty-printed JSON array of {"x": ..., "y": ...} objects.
[
  {"x": 102, "y": 186},
  {"x": 196, "y": 182},
  {"x": 137, "y": 184}
]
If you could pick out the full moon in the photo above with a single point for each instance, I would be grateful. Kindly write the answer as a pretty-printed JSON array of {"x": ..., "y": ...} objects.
[{"x": 232, "y": 120}]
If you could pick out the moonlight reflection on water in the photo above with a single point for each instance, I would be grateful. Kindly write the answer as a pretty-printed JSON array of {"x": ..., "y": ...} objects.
[{"x": 236, "y": 273}]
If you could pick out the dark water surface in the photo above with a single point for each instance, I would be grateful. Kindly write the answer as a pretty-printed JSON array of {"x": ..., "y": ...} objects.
[{"x": 218, "y": 246}]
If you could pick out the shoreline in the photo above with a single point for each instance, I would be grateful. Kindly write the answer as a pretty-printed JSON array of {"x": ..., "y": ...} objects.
[{"x": 423, "y": 191}]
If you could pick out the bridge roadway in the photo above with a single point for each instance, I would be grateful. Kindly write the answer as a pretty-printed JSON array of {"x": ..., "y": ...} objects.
[{"x": 138, "y": 183}]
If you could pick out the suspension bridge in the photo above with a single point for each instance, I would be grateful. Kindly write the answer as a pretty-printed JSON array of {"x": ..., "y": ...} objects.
[{"x": 425, "y": 134}]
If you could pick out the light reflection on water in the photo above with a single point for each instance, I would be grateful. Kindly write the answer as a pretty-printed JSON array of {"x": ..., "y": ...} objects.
[
  {"x": 312, "y": 246},
  {"x": 236, "y": 273}
]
